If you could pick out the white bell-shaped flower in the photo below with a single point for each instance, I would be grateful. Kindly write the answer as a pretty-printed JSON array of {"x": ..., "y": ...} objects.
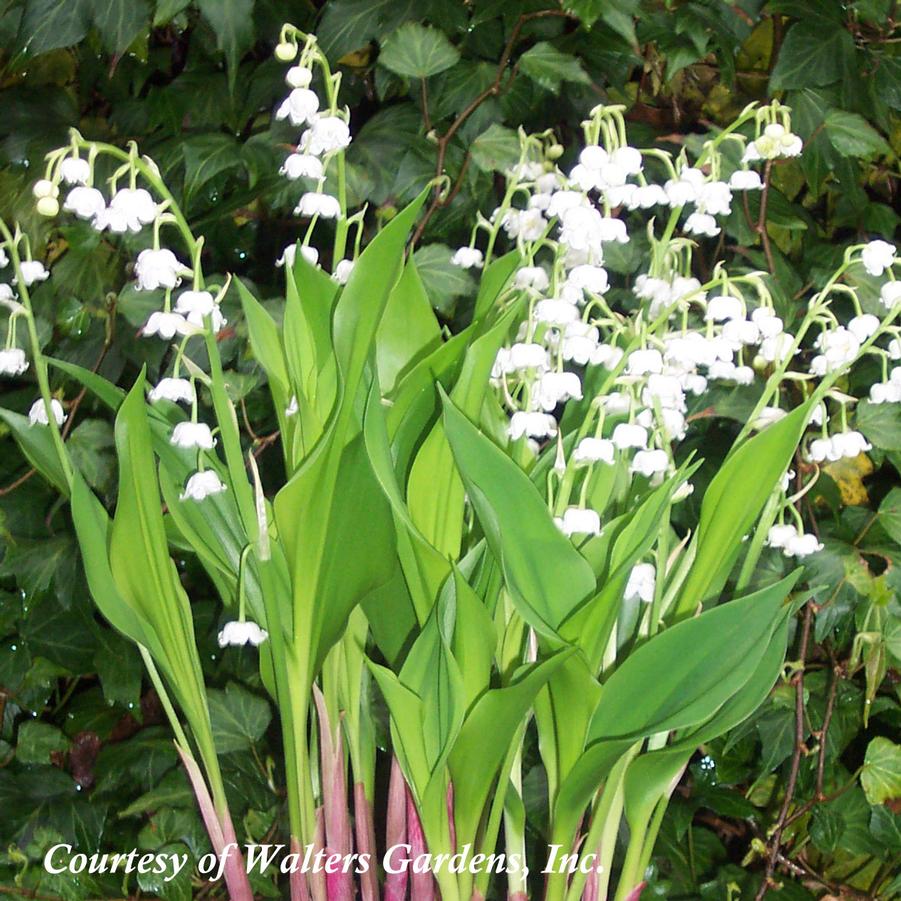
[
  {"x": 579, "y": 521},
  {"x": 239, "y": 634},
  {"x": 595, "y": 450},
  {"x": 877, "y": 256},
  {"x": 74, "y": 170},
  {"x": 316, "y": 203},
  {"x": 159, "y": 269},
  {"x": 13, "y": 361},
  {"x": 175, "y": 390},
  {"x": 202, "y": 485},
  {"x": 196, "y": 305},
  {"x": 531, "y": 425},
  {"x": 642, "y": 582},
  {"x": 890, "y": 294},
  {"x": 192, "y": 435},
  {"x": 166, "y": 325},
  {"x": 302, "y": 165},
  {"x": 342, "y": 271},
  {"x": 300, "y": 106},
  {"x": 468, "y": 258},
  {"x": 630, "y": 435},
  {"x": 326, "y": 134},
  {"x": 129, "y": 210},
  {"x": 85, "y": 203},
  {"x": 37, "y": 415},
  {"x": 649, "y": 462},
  {"x": 32, "y": 271}
]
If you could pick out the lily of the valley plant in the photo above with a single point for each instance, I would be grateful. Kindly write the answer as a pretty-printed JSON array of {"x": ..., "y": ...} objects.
[{"x": 483, "y": 528}]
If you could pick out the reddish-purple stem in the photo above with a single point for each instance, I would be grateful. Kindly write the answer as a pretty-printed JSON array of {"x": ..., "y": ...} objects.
[
  {"x": 365, "y": 831},
  {"x": 422, "y": 885},
  {"x": 221, "y": 832},
  {"x": 396, "y": 830},
  {"x": 635, "y": 894},
  {"x": 338, "y": 837},
  {"x": 450, "y": 816},
  {"x": 297, "y": 880}
]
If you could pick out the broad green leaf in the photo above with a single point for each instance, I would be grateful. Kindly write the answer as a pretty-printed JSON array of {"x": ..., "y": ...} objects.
[
  {"x": 880, "y": 424},
  {"x": 92, "y": 527},
  {"x": 206, "y": 155},
  {"x": 103, "y": 389},
  {"x": 424, "y": 568},
  {"x": 563, "y": 713},
  {"x": 408, "y": 330},
  {"x": 474, "y": 762},
  {"x": 238, "y": 716},
  {"x": 551, "y": 68},
  {"x": 496, "y": 149},
  {"x": 443, "y": 281},
  {"x": 431, "y": 671},
  {"x": 38, "y": 448},
  {"x": 36, "y": 741},
  {"x": 119, "y": 22},
  {"x": 49, "y": 24},
  {"x": 333, "y": 561},
  {"x": 434, "y": 489},
  {"x": 812, "y": 55},
  {"x": 890, "y": 514},
  {"x": 733, "y": 501},
  {"x": 881, "y": 775},
  {"x": 417, "y": 51},
  {"x": 546, "y": 575},
  {"x": 495, "y": 279},
  {"x": 630, "y": 538},
  {"x": 119, "y": 669},
  {"x": 348, "y": 25},
  {"x": 90, "y": 448},
  {"x": 852, "y": 135},
  {"x": 650, "y": 775},
  {"x": 474, "y": 637},
  {"x": 173, "y": 791},
  {"x": 232, "y": 23},
  {"x": 265, "y": 343},
  {"x": 683, "y": 675}
]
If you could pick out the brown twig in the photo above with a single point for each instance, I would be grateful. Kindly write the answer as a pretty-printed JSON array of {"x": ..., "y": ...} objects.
[
  {"x": 798, "y": 681},
  {"x": 8, "y": 489},
  {"x": 761, "y": 218},
  {"x": 439, "y": 200}
]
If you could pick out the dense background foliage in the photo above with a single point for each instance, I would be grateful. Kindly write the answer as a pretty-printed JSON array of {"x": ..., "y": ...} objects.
[{"x": 809, "y": 790}]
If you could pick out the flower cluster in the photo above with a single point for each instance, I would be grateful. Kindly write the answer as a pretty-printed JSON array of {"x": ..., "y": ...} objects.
[
  {"x": 186, "y": 312},
  {"x": 636, "y": 359},
  {"x": 325, "y": 137}
]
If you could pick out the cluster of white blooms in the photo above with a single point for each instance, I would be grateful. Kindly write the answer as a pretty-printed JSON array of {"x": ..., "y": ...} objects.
[
  {"x": 645, "y": 370},
  {"x": 186, "y": 312},
  {"x": 326, "y": 135},
  {"x": 792, "y": 542}
]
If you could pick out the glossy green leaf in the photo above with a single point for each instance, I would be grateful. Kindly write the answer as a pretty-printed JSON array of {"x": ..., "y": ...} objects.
[
  {"x": 104, "y": 390},
  {"x": 732, "y": 503},
  {"x": 682, "y": 676},
  {"x": 36, "y": 444},
  {"x": 547, "y": 576},
  {"x": 418, "y": 51}
]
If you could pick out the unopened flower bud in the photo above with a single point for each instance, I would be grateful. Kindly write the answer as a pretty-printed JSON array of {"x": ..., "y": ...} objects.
[
  {"x": 285, "y": 52},
  {"x": 43, "y": 187},
  {"x": 48, "y": 206}
]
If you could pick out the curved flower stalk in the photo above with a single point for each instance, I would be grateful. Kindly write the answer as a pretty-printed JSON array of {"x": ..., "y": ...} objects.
[{"x": 139, "y": 592}]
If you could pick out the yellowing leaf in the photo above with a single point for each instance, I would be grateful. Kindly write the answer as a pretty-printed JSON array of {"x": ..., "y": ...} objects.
[{"x": 849, "y": 474}]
